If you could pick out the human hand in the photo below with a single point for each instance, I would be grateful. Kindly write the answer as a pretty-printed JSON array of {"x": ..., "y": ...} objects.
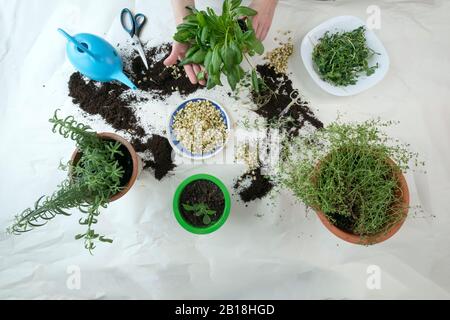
[
  {"x": 263, "y": 19},
  {"x": 178, "y": 52}
]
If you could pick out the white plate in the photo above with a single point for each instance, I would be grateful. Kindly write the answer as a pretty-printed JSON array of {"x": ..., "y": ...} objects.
[
  {"x": 179, "y": 148},
  {"x": 345, "y": 23}
]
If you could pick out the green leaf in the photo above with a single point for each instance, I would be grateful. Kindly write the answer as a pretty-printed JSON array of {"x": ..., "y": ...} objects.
[
  {"x": 244, "y": 12},
  {"x": 201, "y": 75},
  {"x": 210, "y": 83},
  {"x": 207, "y": 60},
  {"x": 216, "y": 61},
  {"x": 199, "y": 56},
  {"x": 235, "y": 3},
  {"x": 103, "y": 239},
  {"x": 187, "y": 207},
  {"x": 233, "y": 77},
  {"x": 206, "y": 220},
  {"x": 255, "y": 82},
  {"x": 204, "y": 35},
  {"x": 201, "y": 19}
]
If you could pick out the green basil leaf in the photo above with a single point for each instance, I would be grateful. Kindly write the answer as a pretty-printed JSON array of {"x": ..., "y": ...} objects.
[
  {"x": 204, "y": 35},
  {"x": 236, "y": 53},
  {"x": 227, "y": 55},
  {"x": 233, "y": 77},
  {"x": 207, "y": 61},
  {"x": 258, "y": 46},
  {"x": 235, "y": 3},
  {"x": 201, "y": 75},
  {"x": 255, "y": 82},
  {"x": 210, "y": 83},
  {"x": 191, "y": 51},
  {"x": 244, "y": 12},
  {"x": 199, "y": 56},
  {"x": 201, "y": 19},
  {"x": 216, "y": 61}
]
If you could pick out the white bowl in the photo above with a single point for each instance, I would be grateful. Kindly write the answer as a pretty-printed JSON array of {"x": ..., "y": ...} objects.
[
  {"x": 339, "y": 24},
  {"x": 180, "y": 149}
]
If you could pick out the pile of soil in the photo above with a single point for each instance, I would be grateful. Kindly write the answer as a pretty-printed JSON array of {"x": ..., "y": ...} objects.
[
  {"x": 202, "y": 191},
  {"x": 107, "y": 101},
  {"x": 253, "y": 185},
  {"x": 161, "y": 151},
  {"x": 282, "y": 92},
  {"x": 112, "y": 101},
  {"x": 162, "y": 81}
]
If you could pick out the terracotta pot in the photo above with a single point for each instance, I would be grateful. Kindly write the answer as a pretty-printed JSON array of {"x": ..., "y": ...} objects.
[
  {"x": 403, "y": 193},
  {"x": 137, "y": 163}
]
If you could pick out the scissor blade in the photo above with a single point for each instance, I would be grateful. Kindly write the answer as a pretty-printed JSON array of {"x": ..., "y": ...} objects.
[{"x": 140, "y": 50}]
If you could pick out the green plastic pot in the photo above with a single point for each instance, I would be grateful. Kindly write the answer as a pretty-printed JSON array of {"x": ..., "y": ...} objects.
[{"x": 216, "y": 225}]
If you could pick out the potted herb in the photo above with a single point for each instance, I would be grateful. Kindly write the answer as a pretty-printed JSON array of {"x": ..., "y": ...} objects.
[
  {"x": 351, "y": 175},
  {"x": 201, "y": 204},
  {"x": 220, "y": 42},
  {"x": 103, "y": 168}
]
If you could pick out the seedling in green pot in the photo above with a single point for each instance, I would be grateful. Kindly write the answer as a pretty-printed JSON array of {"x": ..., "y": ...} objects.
[
  {"x": 200, "y": 210},
  {"x": 221, "y": 42}
]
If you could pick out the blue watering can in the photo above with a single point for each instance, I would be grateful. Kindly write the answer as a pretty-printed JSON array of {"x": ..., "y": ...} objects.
[{"x": 95, "y": 58}]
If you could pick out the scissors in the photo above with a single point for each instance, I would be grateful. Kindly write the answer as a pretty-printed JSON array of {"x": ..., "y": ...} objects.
[{"x": 133, "y": 24}]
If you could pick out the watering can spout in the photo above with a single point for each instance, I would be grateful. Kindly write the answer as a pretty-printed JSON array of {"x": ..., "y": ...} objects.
[
  {"x": 121, "y": 77},
  {"x": 76, "y": 43}
]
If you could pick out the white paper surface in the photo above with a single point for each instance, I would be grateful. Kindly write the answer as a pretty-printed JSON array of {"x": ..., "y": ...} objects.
[{"x": 263, "y": 251}]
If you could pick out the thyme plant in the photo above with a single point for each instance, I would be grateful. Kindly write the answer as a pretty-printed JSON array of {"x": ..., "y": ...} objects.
[
  {"x": 89, "y": 186},
  {"x": 343, "y": 171}
]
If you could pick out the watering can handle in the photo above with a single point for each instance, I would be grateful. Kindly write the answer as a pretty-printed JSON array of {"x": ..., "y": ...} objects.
[{"x": 76, "y": 43}]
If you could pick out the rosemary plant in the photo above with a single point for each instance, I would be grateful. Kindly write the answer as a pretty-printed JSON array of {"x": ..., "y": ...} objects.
[
  {"x": 343, "y": 170},
  {"x": 89, "y": 186}
]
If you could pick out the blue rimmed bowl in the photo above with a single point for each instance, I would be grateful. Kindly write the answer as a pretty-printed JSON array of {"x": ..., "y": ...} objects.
[{"x": 178, "y": 146}]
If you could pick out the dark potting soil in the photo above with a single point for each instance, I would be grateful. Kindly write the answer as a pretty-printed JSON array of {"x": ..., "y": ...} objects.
[
  {"x": 283, "y": 91},
  {"x": 161, "y": 150},
  {"x": 107, "y": 101},
  {"x": 253, "y": 185},
  {"x": 126, "y": 162},
  {"x": 202, "y": 191},
  {"x": 162, "y": 81},
  {"x": 346, "y": 224}
]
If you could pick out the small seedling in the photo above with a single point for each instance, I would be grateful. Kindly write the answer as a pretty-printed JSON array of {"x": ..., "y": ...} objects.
[{"x": 200, "y": 210}]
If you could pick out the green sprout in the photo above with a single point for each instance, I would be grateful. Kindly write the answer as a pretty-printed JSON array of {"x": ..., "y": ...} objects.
[{"x": 199, "y": 210}]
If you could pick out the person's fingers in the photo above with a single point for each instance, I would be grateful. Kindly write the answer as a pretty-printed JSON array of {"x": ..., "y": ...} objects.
[
  {"x": 258, "y": 28},
  {"x": 190, "y": 73},
  {"x": 197, "y": 69},
  {"x": 172, "y": 58},
  {"x": 264, "y": 33}
]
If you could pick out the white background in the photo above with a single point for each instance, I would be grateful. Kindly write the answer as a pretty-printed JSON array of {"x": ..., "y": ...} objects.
[{"x": 271, "y": 249}]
